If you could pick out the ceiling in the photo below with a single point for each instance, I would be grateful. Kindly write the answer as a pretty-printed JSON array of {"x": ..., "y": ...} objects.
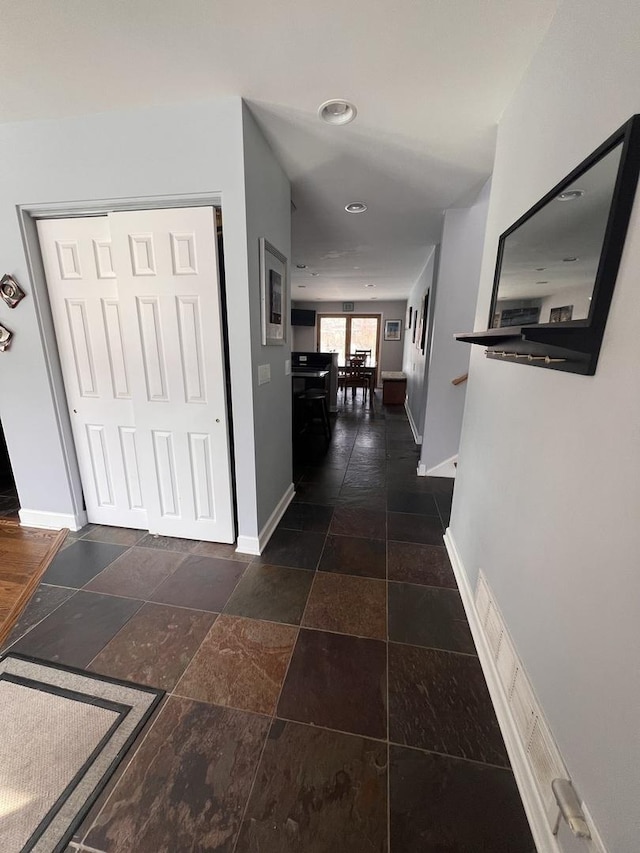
[{"x": 430, "y": 79}]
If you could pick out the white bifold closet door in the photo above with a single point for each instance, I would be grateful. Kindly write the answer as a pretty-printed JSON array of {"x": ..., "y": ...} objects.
[{"x": 135, "y": 298}]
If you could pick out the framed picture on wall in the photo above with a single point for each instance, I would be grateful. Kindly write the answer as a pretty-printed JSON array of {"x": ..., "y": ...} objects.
[
  {"x": 392, "y": 330},
  {"x": 408, "y": 318},
  {"x": 418, "y": 337},
  {"x": 424, "y": 322},
  {"x": 561, "y": 315},
  {"x": 274, "y": 294},
  {"x": 415, "y": 323}
]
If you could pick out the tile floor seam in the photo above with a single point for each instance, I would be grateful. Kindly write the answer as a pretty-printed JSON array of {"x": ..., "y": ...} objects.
[
  {"x": 477, "y": 762},
  {"x": 22, "y": 636},
  {"x": 266, "y": 739}
]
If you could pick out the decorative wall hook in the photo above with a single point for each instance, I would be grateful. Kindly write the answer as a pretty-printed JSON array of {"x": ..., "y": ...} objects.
[
  {"x": 5, "y": 338},
  {"x": 10, "y": 290}
]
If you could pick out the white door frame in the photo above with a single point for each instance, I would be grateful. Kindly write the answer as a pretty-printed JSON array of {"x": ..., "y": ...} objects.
[{"x": 27, "y": 215}]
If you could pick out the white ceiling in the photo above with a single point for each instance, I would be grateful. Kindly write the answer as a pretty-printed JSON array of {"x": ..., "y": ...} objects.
[{"x": 430, "y": 79}]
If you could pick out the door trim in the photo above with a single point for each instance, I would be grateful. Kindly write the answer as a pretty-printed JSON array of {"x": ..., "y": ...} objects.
[{"x": 28, "y": 214}]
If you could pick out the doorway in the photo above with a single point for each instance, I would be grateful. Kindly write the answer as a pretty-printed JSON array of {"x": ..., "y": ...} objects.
[
  {"x": 348, "y": 333},
  {"x": 9, "y": 504},
  {"x": 135, "y": 299}
]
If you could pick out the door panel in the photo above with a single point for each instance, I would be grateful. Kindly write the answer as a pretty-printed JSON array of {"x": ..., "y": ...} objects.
[
  {"x": 83, "y": 292},
  {"x": 167, "y": 267}
]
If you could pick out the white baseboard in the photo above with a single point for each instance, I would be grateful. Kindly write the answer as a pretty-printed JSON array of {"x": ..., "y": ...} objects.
[
  {"x": 416, "y": 436},
  {"x": 255, "y": 545},
  {"x": 51, "y": 520},
  {"x": 444, "y": 469},
  {"x": 545, "y": 840}
]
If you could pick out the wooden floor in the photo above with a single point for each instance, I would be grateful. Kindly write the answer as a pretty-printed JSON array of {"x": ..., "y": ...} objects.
[{"x": 25, "y": 553}]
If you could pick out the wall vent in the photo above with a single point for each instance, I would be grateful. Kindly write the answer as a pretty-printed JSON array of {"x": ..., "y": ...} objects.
[{"x": 539, "y": 747}]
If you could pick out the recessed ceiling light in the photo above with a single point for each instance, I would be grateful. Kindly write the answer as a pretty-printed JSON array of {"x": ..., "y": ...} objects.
[
  {"x": 314, "y": 273},
  {"x": 570, "y": 195},
  {"x": 373, "y": 297},
  {"x": 355, "y": 207},
  {"x": 302, "y": 285},
  {"x": 337, "y": 111},
  {"x": 301, "y": 266},
  {"x": 369, "y": 285},
  {"x": 540, "y": 269},
  {"x": 542, "y": 282},
  {"x": 569, "y": 260}
]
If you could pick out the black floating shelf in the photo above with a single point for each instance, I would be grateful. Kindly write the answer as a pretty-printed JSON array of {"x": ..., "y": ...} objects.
[{"x": 571, "y": 349}]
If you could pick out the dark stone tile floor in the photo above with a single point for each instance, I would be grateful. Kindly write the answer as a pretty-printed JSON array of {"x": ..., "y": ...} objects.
[{"x": 322, "y": 698}]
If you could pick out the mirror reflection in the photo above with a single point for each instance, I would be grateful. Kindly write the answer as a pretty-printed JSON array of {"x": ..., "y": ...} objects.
[{"x": 549, "y": 263}]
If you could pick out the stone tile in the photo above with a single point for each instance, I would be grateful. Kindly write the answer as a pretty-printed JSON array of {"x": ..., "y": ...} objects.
[
  {"x": 275, "y": 593},
  {"x": 411, "y": 502},
  {"x": 317, "y": 791},
  {"x": 187, "y": 787},
  {"x": 43, "y": 602},
  {"x": 203, "y": 583},
  {"x": 444, "y": 804},
  {"x": 353, "y": 521},
  {"x": 439, "y": 701},
  {"x": 348, "y": 605},
  {"x": 422, "y": 564},
  {"x": 241, "y": 663},
  {"x": 294, "y": 548},
  {"x": 337, "y": 682},
  {"x": 316, "y": 493},
  {"x": 350, "y": 555},
  {"x": 352, "y": 496},
  {"x": 136, "y": 573},
  {"x": 115, "y": 535},
  {"x": 405, "y": 527},
  {"x": 79, "y": 629},
  {"x": 222, "y": 550},
  {"x": 365, "y": 477},
  {"x": 315, "y": 518},
  {"x": 326, "y": 475},
  {"x": 429, "y": 616},
  {"x": 80, "y": 562},
  {"x": 168, "y": 543},
  {"x": 155, "y": 646}
]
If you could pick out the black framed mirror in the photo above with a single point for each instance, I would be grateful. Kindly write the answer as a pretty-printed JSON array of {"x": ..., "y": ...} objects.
[{"x": 557, "y": 264}]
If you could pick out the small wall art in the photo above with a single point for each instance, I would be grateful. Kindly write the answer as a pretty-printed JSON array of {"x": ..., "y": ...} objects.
[
  {"x": 274, "y": 293},
  {"x": 392, "y": 330},
  {"x": 347, "y": 306},
  {"x": 11, "y": 291},
  {"x": 561, "y": 315}
]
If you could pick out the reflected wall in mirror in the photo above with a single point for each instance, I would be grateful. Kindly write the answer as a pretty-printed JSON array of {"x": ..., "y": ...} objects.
[{"x": 547, "y": 264}]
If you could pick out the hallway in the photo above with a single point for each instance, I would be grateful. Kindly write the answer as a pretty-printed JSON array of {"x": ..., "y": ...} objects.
[{"x": 323, "y": 697}]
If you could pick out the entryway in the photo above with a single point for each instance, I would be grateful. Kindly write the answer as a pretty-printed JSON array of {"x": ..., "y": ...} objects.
[{"x": 135, "y": 298}]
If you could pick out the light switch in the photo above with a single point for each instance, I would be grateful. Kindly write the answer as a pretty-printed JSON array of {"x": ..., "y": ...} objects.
[
  {"x": 287, "y": 367},
  {"x": 264, "y": 374}
]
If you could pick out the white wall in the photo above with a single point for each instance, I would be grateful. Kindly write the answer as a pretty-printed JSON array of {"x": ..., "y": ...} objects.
[
  {"x": 414, "y": 362},
  {"x": 268, "y": 196},
  {"x": 547, "y": 498},
  {"x": 304, "y": 337},
  {"x": 187, "y": 149},
  {"x": 456, "y": 294}
]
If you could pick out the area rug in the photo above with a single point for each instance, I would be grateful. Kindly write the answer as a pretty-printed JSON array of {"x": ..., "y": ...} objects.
[
  {"x": 63, "y": 732},
  {"x": 25, "y": 554}
]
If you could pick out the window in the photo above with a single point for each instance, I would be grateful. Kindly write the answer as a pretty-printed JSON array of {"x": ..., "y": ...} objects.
[{"x": 346, "y": 333}]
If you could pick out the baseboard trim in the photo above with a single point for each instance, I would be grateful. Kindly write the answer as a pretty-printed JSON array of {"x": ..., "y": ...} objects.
[
  {"x": 416, "y": 436},
  {"x": 544, "y": 839},
  {"x": 255, "y": 545},
  {"x": 447, "y": 468},
  {"x": 51, "y": 520}
]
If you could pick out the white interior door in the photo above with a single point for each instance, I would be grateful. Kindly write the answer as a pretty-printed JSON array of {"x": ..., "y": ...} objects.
[
  {"x": 87, "y": 316},
  {"x": 170, "y": 294}
]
